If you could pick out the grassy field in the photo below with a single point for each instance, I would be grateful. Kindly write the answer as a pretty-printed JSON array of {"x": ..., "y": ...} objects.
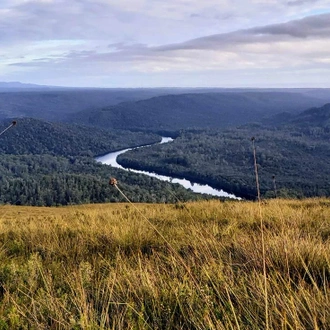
[{"x": 192, "y": 266}]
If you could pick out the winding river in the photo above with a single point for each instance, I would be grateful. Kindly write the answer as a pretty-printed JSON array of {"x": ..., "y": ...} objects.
[{"x": 111, "y": 159}]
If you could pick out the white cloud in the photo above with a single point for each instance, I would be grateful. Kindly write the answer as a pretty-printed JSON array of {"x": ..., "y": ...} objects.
[{"x": 154, "y": 38}]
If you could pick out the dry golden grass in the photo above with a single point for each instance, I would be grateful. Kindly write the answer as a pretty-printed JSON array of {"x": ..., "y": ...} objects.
[{"x": 142, "y": 266}]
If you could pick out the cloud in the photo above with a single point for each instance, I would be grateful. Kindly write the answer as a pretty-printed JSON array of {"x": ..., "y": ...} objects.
[
  {"x": 139, "y": 21},
  {"x": 103, "y": 38},
  {"x": 310, "y": 27},
  {"x": 299, "y": 42},
  {"x": 300, "y": 2}
]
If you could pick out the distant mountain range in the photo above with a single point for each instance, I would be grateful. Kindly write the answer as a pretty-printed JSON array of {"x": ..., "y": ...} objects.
[
  {"x": 18, "y": 86},
  {"x": 203, "y": 110},
  {"x": 56, "y": 104},
  {"x": 157, "y": 109}
]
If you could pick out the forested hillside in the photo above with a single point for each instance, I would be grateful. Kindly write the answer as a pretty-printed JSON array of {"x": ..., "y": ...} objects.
[
  {"x": 206, "y": 110},
  {"x": 313, "y": 118},
  {"x": 54, "y": 161},
  {"x": 156, "y": 109},
  {"x": 32, "y": 136},
  {"x": 49, "y": 164},
  {"x": 50, "y": 103},
  {"x": 56, "y": 104},
  {"x": 53, "y": 180},
  {"x": 297, "y": 153}
]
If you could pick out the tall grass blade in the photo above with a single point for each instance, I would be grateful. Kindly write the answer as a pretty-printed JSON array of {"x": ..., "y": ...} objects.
[
  {"x": 262, "y": 233},
  {"x": 274, "y": 186}
]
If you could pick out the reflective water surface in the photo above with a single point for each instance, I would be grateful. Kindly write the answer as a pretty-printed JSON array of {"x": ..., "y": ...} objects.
[{"x": 111, "y": 159}]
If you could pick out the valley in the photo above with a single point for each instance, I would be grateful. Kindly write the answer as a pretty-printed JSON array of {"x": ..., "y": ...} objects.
[
  {"x": 111, "y": 159},
  {"x": 212, "y": 146},
  {"x": 164, "y": 165}
]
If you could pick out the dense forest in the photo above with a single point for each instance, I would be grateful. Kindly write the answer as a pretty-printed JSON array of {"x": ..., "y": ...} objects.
[
  {"x": 32, "y": 136},
  {"x": 204, "y": 110},
  {"x": 49, "y": 164},
  {"x": 54, "y": 180},
  {"x": 297, "y": 154},
  {"x": 52, "y": 163}
]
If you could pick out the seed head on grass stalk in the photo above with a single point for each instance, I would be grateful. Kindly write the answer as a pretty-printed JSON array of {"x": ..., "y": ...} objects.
[
  {"x": 13, "y": 123},
  {"x": 113, "y": 181}
]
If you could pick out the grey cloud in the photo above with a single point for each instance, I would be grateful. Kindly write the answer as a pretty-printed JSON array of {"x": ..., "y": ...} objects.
[
  {"x": 310, "y": 27},
  {"x": 100, "y": 39},
  {"x": 301, "y": 2},
  {"x": 101, "y": 20},
  {"x": 313, "y": 26},
  {"x": 317, "y": 26}
]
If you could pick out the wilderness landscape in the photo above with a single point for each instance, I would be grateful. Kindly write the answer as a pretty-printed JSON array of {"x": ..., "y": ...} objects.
[
  {"x": 164, "y": 165},
  {"x": 212, "y": 143},
  {"x": 164, "y": 257}
]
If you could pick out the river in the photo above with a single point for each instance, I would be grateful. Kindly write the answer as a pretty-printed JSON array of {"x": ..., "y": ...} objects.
[{"x": 111, "y": 159}]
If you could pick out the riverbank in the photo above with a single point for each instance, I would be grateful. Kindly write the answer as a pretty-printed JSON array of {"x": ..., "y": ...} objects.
[{"x": 111, "y": 159}]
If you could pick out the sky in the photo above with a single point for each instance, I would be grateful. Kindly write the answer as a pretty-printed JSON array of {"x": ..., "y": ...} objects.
[{"x": 166, "y": 43}]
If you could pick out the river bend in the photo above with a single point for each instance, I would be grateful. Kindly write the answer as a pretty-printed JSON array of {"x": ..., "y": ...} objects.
[{"x": 111, "y": 159}]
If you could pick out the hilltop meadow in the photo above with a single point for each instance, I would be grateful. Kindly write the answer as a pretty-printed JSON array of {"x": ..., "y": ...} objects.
[{"x": 197, "y": 265}]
